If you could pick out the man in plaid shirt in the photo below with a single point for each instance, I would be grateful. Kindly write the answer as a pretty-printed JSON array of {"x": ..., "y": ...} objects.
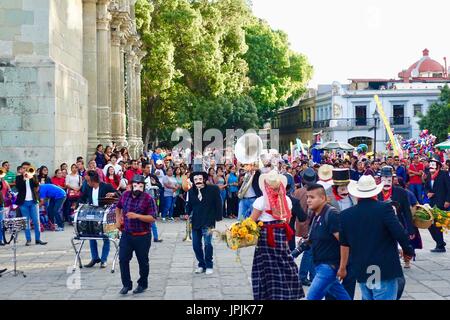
[{"x": 137, "y": 210}]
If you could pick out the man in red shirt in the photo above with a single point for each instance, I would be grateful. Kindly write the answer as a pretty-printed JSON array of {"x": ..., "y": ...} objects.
[
  {"x": 133, "y": 170},
  {"x": 415, "y": 171}
]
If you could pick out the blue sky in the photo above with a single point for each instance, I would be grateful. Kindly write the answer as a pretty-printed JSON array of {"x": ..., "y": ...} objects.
[{"x": 360, "y": 38}]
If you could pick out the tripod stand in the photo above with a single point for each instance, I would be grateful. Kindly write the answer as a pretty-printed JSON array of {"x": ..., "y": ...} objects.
[{"x": 14, "y": 272}]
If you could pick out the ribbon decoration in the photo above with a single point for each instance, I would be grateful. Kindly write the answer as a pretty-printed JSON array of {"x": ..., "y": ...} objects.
[{"x": 387, "y": 125}]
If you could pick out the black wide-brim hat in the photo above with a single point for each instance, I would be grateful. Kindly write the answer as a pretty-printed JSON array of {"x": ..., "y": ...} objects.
[
  {"x": 341, "y": 177},
  {"x": 199, "y": 173},
  {"x": 309, "y": 176}
]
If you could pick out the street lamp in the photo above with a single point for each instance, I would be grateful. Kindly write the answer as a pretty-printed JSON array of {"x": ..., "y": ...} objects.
[{"x": 376, "y": 117}]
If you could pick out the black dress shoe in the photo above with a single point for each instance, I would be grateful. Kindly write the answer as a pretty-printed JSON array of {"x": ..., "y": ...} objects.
[
  {"x": 159, "y": 240},
  {"x": 92, "y": 263},
  {"x": 139, "y": 289},
  {"x": 42, "y": 243},
  {"x": 438, "y": 250},
  {"x": 124, "y": 290},
  {"x": 2, "y": 270},
  {"x": 28, "y": 243},
  {"x": 1, "y": 243}
]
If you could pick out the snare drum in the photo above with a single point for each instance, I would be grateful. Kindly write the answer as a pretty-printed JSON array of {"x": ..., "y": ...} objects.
[
  {"x": 14, "y": 225},
  {"x": 95, "y": 222}
]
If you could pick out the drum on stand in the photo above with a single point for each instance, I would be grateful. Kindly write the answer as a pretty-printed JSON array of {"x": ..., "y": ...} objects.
[
  {"x": 95, "y": 223},
  {"x": 14, "y": 226}
]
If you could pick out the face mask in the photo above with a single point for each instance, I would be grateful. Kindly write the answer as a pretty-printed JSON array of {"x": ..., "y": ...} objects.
[
  {"x": 342, "y": 191},
  {"x": 387, "y": 182},
  {"x": 198, "y": 181}
]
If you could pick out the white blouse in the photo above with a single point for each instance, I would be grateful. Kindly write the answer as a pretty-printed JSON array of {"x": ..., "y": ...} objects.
[{"x": 260, "y": 204}]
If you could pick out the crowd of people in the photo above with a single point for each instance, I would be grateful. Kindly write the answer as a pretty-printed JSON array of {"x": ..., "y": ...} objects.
[{"x": 329, "y": 205}]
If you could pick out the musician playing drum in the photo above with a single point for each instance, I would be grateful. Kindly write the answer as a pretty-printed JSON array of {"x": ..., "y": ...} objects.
[
  {"x": 95, "y": 191},
  {"x": 137, "y": 210}
]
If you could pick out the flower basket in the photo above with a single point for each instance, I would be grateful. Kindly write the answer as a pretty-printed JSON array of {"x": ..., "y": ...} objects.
[
  {"x": 235, "y": 243},
  {"x": 423, "y": 218}
]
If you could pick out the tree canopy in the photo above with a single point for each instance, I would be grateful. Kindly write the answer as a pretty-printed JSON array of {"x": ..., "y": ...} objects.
[
  {"x": 437, "y": 119},
  {"x": 213, "y": 61}
]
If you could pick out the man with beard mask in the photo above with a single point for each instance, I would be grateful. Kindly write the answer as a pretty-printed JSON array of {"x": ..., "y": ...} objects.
[
  {"x": 339, "y": 197},
  {"x": 204, "y": 206},
  {"x": 437, "y": 188},
  {"x": 137, "y": 210}
]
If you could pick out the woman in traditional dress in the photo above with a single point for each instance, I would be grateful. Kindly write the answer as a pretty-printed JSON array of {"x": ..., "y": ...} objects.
[{"x": 274, "y": 272}]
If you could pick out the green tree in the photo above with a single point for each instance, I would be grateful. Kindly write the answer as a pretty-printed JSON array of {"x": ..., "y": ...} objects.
[
  {"x": 278, "y": 75},
  {"x": 437, "y": 119}
]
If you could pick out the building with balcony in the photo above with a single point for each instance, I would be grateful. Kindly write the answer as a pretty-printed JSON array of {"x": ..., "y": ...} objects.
[{"x": 346, "y": 112}]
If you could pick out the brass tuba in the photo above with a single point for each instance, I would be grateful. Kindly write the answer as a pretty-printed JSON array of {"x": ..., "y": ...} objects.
[
  {"x": 2, "y": 173},
  {"x": 188, "y": 236},
  {"x": 248, "y": 150}
]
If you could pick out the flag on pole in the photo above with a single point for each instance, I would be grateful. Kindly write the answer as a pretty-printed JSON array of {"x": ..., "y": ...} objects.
[{"x": 300, "y": 146}]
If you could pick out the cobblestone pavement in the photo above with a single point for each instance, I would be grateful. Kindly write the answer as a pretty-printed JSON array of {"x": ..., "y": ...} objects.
[{"x": 49, "y": 271}]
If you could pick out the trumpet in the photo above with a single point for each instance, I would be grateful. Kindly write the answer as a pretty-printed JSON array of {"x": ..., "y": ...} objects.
[
  {"x": 2, "y": 173},
  {"x": 188, "y": 236},
  {"x": 30, "y": 172}
]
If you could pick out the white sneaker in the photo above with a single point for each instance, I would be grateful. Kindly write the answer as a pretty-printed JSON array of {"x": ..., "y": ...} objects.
[
  {"x": 199, "y": 270},
  {"x": 163, "y": 219},
  {"x": 209, "y": 271}
]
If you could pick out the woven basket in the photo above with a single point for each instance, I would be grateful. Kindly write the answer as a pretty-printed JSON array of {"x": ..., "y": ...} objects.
[
  {"x": 242, "y": 243},
  {"x": 423, "y": 224}
]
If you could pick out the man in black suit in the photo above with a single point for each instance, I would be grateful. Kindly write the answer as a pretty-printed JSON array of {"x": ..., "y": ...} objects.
[
  {"x": 437, "y": 188},
  {"x": 94, "y": 192},
  {"x": 205, "y": 208},
  {"x": 371, "y": 231},
  {"x": 27, "y": 200}
]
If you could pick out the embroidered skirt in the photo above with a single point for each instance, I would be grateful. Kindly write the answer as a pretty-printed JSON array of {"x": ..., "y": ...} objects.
[{"x": 274, "y": 272}]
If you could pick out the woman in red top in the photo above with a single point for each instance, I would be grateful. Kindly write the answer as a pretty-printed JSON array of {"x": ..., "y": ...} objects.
[
  {"x": 112, "y": 178},
  {"x": 59, "y": 179}
]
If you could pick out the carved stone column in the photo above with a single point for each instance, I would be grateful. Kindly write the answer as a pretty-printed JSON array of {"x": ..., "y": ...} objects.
[
  {"x": 130, "y": 98},
  {"x": 103, "y": 72},
  {"x": 117, "y": 127},
  {"x": 138, "y": 69},
  {"x": 90, "y": 68}
]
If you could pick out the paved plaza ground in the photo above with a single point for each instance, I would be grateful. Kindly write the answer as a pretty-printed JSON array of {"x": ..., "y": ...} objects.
[{"x": 49, "y": 271}]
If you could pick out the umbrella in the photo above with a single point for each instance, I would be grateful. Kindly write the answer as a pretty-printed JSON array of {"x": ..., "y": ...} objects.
[
  {"x": 443, "y": 145},
  {"x": 336, "y": 146}
]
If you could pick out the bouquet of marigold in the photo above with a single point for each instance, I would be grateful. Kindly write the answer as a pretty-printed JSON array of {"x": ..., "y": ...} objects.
[
  {"x": 442, "y": 219},
  {"x": 242, "y": 234}
]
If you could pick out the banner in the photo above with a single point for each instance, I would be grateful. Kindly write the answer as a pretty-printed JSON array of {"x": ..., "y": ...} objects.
[{"x": 388, "y": 127}]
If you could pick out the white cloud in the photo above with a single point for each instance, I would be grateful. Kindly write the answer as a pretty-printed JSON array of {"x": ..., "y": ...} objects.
[{"x": 356, "y": 39}]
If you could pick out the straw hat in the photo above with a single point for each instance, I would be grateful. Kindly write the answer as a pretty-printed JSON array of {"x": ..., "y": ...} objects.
[
  {"x": 366, "y": 187},
  {"x": 272, "y": 178},
  {"x": 325, "y": 172}
]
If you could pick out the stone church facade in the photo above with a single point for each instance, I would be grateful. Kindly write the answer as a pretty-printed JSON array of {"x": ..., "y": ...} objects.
[{"x": 69, "y": 79}]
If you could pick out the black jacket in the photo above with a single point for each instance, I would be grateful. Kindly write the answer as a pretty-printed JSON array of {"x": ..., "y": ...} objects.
[
  {"x": 204, "y": 213},
  {"x": 255, "y": 184},
  {"x": 297, "y": 214},
  {"x": 104, "y": 189},
  {"x": 441, "y": 189},
  {"x": 400, "y": 197},
  {"x": 372, "y": 230},
  {"x": 22, "y": 189}
]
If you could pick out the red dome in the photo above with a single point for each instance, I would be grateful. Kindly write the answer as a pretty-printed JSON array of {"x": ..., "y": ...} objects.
[{"x": 424, "y": 65}]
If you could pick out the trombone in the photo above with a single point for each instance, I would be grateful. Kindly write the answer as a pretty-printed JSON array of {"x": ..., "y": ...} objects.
[{"x": 30, "y": 172}]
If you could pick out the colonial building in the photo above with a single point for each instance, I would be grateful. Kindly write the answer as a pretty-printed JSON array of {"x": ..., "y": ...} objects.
[
  {"x": 69, "y": 79},
  {"x": 347, "y": 112}
]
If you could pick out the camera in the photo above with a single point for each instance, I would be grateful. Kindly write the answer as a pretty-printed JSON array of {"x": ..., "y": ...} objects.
[{"x": 302, "y": 245}]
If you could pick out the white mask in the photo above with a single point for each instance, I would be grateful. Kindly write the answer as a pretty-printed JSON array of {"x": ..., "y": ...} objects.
[{"x": 387, "y": 182}]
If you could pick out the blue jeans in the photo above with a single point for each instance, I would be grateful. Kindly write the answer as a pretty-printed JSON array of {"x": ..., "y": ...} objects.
[
  {"x": 29, "y": 210},
  {"x": 154, "y": 231},
  {"x": 94, "y": 250},
  {"x": 245, "y": 208},
  {"x": 204, "y": 256},
  {"x": 167, "y": 211},
  {"x": 417, "y": 189},
  {"x": 325, "y": 282},
  {"x": 54, "y": 211},
  {"x": 1, "y": 224},
  {"x": 306, "y": 266},
  {"x": 386, "y": 290}
]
